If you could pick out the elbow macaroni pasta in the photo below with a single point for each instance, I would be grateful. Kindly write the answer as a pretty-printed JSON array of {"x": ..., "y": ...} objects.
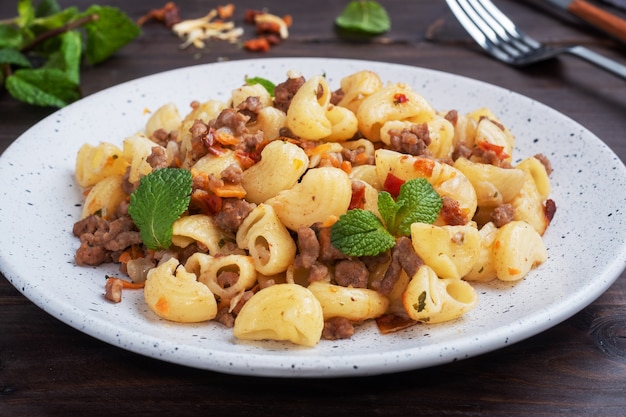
[{"x": 326, "y": 154}]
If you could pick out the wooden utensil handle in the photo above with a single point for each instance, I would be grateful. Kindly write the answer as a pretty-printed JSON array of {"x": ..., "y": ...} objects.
[{"x": 611, "y": 24}]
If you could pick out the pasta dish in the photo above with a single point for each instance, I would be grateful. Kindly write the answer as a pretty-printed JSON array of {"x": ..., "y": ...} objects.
[{"x": 298, "y": 211}]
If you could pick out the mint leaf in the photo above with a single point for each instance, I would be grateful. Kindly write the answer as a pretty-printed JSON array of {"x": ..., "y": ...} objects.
[
  {"x": 46, "y": 8},
  {"x": 108, "y": 33},
  {"x": 421, "y": 204},
  {"x": 10, "y": 37},
  {"x": 25, "y": 12},
  {"x": 14, "y": 57},
  {"x": 267, "y": 84},
  {"x": 43, "y": 87},
  {"x": 360, "y": 233},
  {"x": 417, "y": 202},
  {"x": 159, "y": 200},
  {"x": 67, "y": 56},
  {"x": 364, "y": 16}
]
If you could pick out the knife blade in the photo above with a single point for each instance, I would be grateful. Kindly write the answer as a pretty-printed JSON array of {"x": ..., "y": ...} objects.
[{"x": 601, "y": 19}]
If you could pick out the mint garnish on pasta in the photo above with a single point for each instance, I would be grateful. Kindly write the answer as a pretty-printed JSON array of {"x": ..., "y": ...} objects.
[
  {"x": 159, "y": 200},
  {"x": 361, "y": 233}
]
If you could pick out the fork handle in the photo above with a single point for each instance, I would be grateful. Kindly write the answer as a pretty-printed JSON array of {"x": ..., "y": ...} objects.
[
  {"x": 599, "y": 18},
  {"x": 599, "y": 60}
]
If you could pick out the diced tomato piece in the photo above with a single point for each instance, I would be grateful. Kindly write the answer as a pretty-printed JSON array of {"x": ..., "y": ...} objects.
[{"x": 392, "y": 185}]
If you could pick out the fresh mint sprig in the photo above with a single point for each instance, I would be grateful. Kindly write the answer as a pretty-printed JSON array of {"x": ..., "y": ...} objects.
[
  {"x": 265, "y": 83},
  {"x": 159, "y": 200},
  {"x": 368, "y": 17},
  {"x": 361, "y": 233},
  {"x": 41, "y": 49}
]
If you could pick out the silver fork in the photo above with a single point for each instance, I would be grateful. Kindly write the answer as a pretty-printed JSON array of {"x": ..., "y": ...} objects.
[{"x": 499, "y": 36}]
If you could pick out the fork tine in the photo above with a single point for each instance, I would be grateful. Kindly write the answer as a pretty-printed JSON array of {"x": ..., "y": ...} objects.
[
  {"x": 500, "y": 23},
  {"x": 491, "y": 29}
]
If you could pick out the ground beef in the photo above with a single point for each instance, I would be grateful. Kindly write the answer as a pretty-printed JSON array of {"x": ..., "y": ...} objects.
[
  {"x": 336, "y": 96},
  {"x": 248, "y": 142},
  {"x": 451, "y": 212},
  {"x": 549, "y": 209},
  {"x": 337, "y": 328},
  {"x": 403, "y": 256},
  {"x": 351, "y": 273},
  {"x": 545, "y": 161},
  {"x": 233, "y": 213},
  {"x": 503, "y": 214},
  {"x": 201, "y": 139},
  {"x": 452, "y": 116},
  {"x": 328, "y": 252},
  {"x": 226, "y": 279},
  {"x": 231, "y": 120},
  {"x": 250, "y": 107},
  {"x": 284, "y": 92},
  {"x": 232, "y": 174},
  {"x": 308, "y": 248},
  {"x": 413, "y": 141},
  {"x": 461, "y": 151},
  {"x": 351, "y": 155},
  {"x": 157, "y": 158},
  {"x": 100, "y": 239}
]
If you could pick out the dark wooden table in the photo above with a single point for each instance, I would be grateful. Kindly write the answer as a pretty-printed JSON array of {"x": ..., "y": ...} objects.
[{"x": 577, "y": 368}]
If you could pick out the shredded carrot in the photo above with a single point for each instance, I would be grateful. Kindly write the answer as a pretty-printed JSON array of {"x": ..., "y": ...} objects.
[
  {"x": 228, "y": 190},
  {"x": 346, "y": 166},
  {"x": 162, "y": 305}
]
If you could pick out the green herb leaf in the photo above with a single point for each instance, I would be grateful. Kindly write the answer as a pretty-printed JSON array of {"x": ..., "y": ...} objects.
[
  {"x": 417, "y": 202},
  {"x": 43, "y": 87},
  {"x": 108, "y": 33},
  {"x": 10, "y": 37},
  {"x": 360, "y": 233},
  {"x": 14, "y": 57},
  {"x": 67, "y": 56},
  {"x": 159, "y": 200},
  {"x": 267, "y": 84},
  {"x": 25, "y": 12},
  {"x": 364, "y": 16},
  {"x": 47, "y": 8}
]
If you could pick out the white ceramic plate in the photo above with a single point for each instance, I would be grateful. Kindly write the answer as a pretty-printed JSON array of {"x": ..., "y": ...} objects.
[{"x": 40, "y": 202}]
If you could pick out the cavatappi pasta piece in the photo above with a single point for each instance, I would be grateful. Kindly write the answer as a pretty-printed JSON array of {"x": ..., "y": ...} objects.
[
  {"x": 93, "y": 163},
  {"x": 322, "y": 193},
  {"x": 174, "y": 294},
  {"x": 136, "y": 150},
  {"x": 306, "y": 116},
  {"x": 493, "y": 136},
  {"x": 270, "y": 120},
  {"x": 484, "y": 269},
  {"x": 464, "y": 131},
  {"x": 431, "y": 299},
  {"x": 208, "y": 269},
  {"x": 450, "y": 251},
  {"x": 211, "y": 164},
  {"x": 537, "y": 171},
  {"x": 445, "y": 179},
  {"x": 392, "y": 102},
  {"x": 344, "y": 124},
  {"x": 198, "y": 228},
  {"x": 529, "y": 205},
  {"x": 356, "y": 304},
  {"x": 263, "y": 180},
  {"x": 517, "y": 249},
  {"x": 357, "y": 86},
  {"x": 166, "y": 117},
  {"x": 493, "y": 185},
  {"x": 281, "y": 312},
  {"x": 366, "y": 173},
  {"x": 240, "y": 95},
  {"x": 104, "y": 197},
  {"x": 271, "y": 247}
]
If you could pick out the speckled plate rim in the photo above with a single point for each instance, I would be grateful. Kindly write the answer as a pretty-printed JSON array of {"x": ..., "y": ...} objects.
[{"x": 40, "y": 202}]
